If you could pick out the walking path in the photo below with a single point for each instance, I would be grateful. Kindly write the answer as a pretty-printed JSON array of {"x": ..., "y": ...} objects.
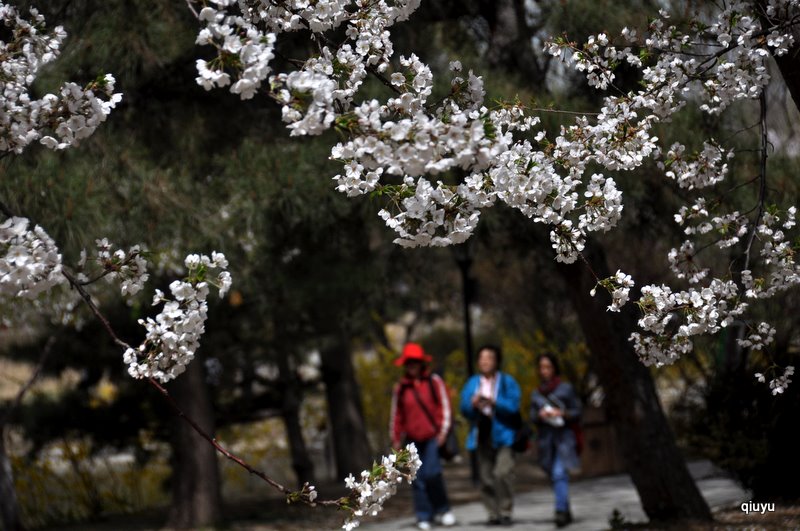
[{"x": 592, "y": 500}]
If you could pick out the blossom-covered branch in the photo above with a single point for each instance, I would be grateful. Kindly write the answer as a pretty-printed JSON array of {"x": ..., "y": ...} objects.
[
  {"x": 57, "y": 121},
  {"x": 31, "y": 267},
  {"x": 173, "y": 335},
  {"x": 438, "y": 164}
]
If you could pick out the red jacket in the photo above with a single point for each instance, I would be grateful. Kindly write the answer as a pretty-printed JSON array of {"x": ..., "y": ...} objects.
[{"x": 407, "y": 419}]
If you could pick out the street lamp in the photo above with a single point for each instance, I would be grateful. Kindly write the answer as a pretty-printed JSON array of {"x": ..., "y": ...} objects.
[{"x": 463, "y": 257}]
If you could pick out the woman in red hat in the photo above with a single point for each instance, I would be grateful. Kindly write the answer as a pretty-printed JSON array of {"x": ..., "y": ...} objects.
[{"x": 421, "y": 414}]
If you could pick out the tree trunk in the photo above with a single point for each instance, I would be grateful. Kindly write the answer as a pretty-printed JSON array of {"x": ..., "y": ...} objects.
[
  {"x": 9, "y": 506},
  {"x": 196, "y": 500},
  {"x": 788, "y": 63},
  {"x": 654, "y": 462},
  {"x": 301, "y": 461},
  {"x": 290, "y": 411},
  {"x": 350, "y": 445},
  {"x": 510, "y": 37}
]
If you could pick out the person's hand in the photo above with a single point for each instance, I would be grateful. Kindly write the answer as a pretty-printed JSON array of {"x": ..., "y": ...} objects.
[
  {"x": 550, "y": 412},
  {"x": 396, "y": 446},
  {"x": 440, "y": 439},
  {"x": 480, "y": 402},
  {"x": 546, "y": 412}
]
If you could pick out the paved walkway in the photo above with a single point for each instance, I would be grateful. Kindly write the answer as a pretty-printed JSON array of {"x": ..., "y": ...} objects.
[{"x": 593, "y": 501}]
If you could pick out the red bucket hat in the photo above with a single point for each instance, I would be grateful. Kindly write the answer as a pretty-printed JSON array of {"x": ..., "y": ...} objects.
[{"x": 412, "y": 351}]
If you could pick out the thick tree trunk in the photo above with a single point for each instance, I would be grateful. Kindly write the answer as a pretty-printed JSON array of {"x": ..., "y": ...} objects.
[
  {"x": 301, "y": 461},
  {"x": 789, "y": 63},
  {"x": 290, "y": 411},
  {"x": 9, "y": 507},
  {"x": 510, "y": 46},
  {"x": 350, "y": 444},
  {"x": 196, "y": 500},
  {"x": 656, "y": 466}
]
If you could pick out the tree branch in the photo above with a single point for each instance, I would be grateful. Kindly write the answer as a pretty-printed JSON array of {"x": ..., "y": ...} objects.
[
  {"x": 5, "y": 210},
  {"x": 292, "y": 496},
  {"x": 93, "y": 307},
  {"x": 222, "y": 450},
  {"x": 190, "y": 5},
  {"x": 48, "y": 347},
  {"x": 762, "y": 192}
]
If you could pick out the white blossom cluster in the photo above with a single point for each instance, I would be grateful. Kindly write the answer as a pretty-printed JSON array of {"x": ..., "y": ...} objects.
[
  {"x": 619, "y": 286},
  {"x": 779, "y": 384},
  {"x": 677, "y": 69},
  {"x": 173, "y": 335},
  {"x": 325, "y": 85},
  {"x": 724, "y": 59},
  {"x": 30, "y": 263},
  {"x": 129, "y": 268},
  {"x": 440, "y": 163},
  {"x": 32, "y": 285},
  {"x": 781, "y": 270},
  {"x": 763, "y": 336},
  {"x": 682, "y": 262},
  {"x": 437, "y": 163},
  {"x": 57, "y": 307},
  {"x": 376, "y": 486},
  {"x": 307, "y": 494},
  {"x": 700, "y": 170},
  {"x": 689, "y": 313},
  {"x": 714, "y": 307},
  {"x": 55, "y": 120}
]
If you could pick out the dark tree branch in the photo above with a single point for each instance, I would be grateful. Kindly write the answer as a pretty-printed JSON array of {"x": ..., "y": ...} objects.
[
  {"x": 5, "y": 210},
  {"x": 93, "y": 307},
  {"x": 222, "y": 450},
  {"x": 46, "y": 350},
  {"x": 292, "y": 496},
  {"x": 762, "y": 191}
]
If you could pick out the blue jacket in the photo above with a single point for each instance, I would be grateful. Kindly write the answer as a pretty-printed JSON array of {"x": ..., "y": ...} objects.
[
  {"x": 553, "y": 439},
  {"x": 505, "y": 409}
]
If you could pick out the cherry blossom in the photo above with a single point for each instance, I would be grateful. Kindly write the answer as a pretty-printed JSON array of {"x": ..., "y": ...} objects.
[
  {"x": 129, "y": 268},
  {"x": 173, "y": 336},
  {"x": 373, "y": 487},
  {"x": 57, "y": 120},
  {"x": 30, "y": 262},
  {"x": 439, "y": 164},
  {"x": 760, "y": 338},
  {"x": 779, "y": 384}
]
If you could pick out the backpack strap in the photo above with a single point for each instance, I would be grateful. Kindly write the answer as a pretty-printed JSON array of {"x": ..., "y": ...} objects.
[
  {"x": 425, "y": 409},
  {"x": 434, "y": 394},
  {"x": 433, "y": 390}
]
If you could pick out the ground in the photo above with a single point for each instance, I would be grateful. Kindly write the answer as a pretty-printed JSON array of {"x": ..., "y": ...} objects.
[{"x": 594, "y": 501}]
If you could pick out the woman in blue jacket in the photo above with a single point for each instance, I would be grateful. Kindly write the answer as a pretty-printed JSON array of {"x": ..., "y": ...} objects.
[
  {"x": 490, "y": 401},
  {"x": 555, "y": 408}
]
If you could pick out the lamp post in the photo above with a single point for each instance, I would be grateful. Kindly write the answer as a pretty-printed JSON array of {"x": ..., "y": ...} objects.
[{"x": 463, "y": 258}]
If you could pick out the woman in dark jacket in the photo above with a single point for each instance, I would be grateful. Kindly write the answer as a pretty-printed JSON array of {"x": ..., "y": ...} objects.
[{"x": 555, "y": 409}]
